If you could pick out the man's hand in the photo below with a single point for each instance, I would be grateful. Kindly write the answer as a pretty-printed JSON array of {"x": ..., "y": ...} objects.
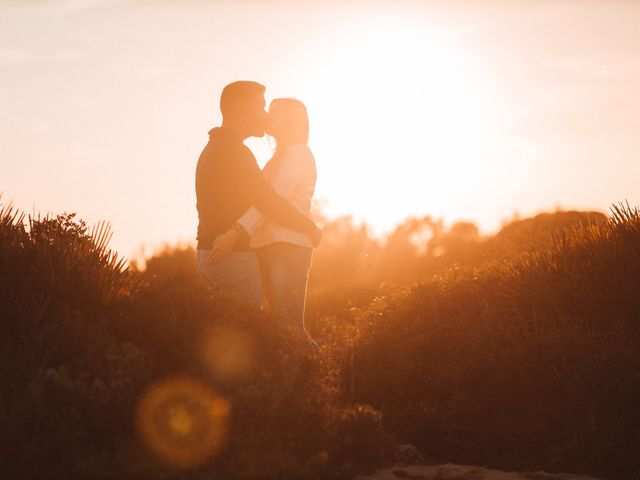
[
  {"x": 316, "y": 236},
  {"x": 224, "y": 243}
]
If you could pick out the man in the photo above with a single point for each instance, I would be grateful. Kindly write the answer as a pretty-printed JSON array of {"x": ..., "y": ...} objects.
[{"x": 228, "y": 182}]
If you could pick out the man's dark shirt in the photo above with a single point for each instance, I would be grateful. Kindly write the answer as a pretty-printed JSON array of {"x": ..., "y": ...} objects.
[{"x": 228, "y": 183}]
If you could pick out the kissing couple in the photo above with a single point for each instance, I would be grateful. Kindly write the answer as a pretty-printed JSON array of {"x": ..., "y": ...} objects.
[{"x": 255, "y": 237}]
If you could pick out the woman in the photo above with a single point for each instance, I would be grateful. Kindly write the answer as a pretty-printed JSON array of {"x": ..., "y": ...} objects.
[{"x": 284, "y": 255}]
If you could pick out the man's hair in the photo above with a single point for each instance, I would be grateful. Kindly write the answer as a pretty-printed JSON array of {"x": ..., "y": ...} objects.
[{"x": 237, "y": 95}]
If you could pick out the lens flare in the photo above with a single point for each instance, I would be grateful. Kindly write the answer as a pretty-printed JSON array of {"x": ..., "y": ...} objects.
[
  {"x": 227, "y": 352},
  {"x": 183, "y": 421}
]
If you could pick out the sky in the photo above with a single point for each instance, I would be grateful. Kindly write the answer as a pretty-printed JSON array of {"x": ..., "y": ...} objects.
[{"x": 469, "y": 111}]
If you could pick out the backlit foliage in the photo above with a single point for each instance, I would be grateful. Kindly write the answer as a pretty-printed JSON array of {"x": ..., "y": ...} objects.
[{"x": 518, "y": 351}]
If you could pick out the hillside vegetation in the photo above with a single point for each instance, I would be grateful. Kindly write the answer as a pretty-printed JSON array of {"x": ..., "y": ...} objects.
[{"x": 517, "y": 351}]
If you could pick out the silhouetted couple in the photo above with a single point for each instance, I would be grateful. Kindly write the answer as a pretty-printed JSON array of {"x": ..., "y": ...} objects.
[{"x": 255, "y": 237}]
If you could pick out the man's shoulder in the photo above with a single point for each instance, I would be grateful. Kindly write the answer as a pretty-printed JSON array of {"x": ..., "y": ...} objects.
[
  {"x": 227, "y": 148},
  {"x": 246, "y": 151}
]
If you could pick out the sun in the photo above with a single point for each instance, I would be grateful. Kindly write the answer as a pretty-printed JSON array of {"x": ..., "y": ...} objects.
[{"x": 403, "y": 119}]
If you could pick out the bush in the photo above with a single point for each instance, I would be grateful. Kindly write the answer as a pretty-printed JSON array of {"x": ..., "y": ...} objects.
[
  {"x": 519, "y": 351},
  {"x": 85, "y": 339},
  {"x": 524, "y": 362}
]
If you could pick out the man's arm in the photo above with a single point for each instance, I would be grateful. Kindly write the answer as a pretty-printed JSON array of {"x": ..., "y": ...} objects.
[{"x": 268, "y": 202}]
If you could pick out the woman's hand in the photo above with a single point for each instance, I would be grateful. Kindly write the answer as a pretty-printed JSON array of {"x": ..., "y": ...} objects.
[{"x": 224, "y": 243}]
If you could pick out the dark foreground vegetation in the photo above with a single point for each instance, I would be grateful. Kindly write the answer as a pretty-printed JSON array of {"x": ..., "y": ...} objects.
[{"x": 519, "y": 351}]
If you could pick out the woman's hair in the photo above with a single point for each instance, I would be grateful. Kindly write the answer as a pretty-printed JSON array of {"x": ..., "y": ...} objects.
[{"x": 295, "y": 127}]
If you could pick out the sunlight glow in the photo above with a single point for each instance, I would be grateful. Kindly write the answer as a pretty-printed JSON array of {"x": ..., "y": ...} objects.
[
  {"x": 228, "y": 353},
  {"x": 412, "y": 115}
]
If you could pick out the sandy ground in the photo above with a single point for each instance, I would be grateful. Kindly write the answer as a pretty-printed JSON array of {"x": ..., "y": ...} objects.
[{"x": 461, "y": 472}]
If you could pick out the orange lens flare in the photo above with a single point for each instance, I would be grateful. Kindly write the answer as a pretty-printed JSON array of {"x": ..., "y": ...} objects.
[
  {"x": 183, "y": 421},
  {"x": 227, "y": 352}
]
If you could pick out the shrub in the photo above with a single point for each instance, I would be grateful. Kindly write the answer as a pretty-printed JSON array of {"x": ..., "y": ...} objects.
[
  {"x": 524, "y": 362},
  {"x": 84, "y": 339}
]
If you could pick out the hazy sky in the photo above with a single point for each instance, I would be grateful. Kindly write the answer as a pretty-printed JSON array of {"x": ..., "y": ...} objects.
[{"x": 467, "y": 110}]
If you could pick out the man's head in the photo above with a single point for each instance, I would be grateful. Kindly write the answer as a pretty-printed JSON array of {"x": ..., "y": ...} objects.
[{"x": 242, "y": 105}]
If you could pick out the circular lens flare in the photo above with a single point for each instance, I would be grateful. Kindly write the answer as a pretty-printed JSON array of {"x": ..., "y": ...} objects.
[{"x": 183, "y": 421}]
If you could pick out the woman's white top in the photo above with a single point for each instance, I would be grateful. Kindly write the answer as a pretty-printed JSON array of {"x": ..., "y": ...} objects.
[{"x": 294, "y": 179}]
